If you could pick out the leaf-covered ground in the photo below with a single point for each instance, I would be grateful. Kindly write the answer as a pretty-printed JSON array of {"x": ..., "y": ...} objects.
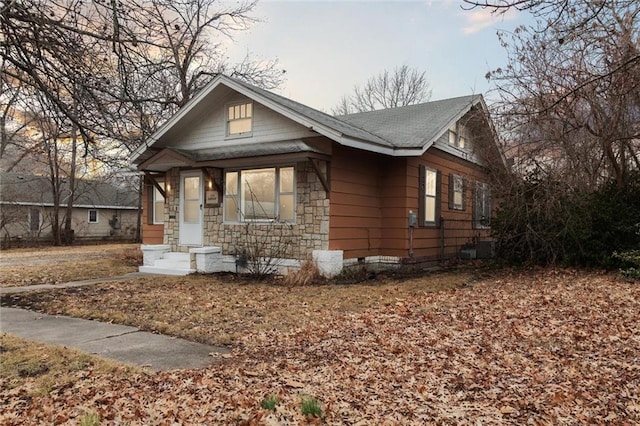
[
  {"x": 222, "y": 309},
  {"x": 537, "y": 348},
  {"x": 55, "y": 265}
]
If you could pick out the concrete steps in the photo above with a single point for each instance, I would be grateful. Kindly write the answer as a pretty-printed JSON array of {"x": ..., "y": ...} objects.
[{"x": 172, "y": 263}]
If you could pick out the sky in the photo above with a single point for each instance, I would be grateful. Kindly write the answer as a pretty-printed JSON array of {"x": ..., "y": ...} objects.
[{"x": 327, "y": 47}]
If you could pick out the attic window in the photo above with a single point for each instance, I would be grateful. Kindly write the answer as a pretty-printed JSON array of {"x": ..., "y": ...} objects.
[
  {"x": 458, "y": 136},
  {"x": 240, "y": 119}
]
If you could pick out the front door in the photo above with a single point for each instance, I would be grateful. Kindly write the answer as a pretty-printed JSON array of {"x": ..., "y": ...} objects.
[{"x": 191, "y": 208}]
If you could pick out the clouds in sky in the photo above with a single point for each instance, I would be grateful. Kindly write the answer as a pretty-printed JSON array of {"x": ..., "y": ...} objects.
[
  {"x": 479, "y": 19},
  {"x": 327, "y": 47}
]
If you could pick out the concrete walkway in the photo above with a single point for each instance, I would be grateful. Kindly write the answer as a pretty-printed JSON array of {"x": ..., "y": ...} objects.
[
  {"x": 23, "y": 289},
  {"x": 118, "y": 342}
]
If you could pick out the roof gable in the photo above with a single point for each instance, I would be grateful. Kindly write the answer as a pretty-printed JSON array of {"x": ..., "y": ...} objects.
[
  {"x": 403, "y": 131},
  {"x": 414, "y": 126}
]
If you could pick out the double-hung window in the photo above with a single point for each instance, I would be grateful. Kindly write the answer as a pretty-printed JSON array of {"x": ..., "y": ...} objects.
[
  {"x": 459, "y": 136},
  {"x": 158, "y": 205},
  {"x": 429, "y": 202},
  {"x": 482, "y": 205},
  {"x": 456, "y": 192},
  {"x": 240, "y": 119},
  {"x": 266, "y": 194}
]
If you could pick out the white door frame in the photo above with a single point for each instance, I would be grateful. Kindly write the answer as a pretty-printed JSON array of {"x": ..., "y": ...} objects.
[{"x": 191, "y": 233}]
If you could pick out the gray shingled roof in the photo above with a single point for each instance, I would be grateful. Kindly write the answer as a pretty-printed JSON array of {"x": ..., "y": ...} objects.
[
  {"x": 30, "y": 189},
  {"x": 325, "y": 119},
  {"x": 415, "y": 125},
  {"x": 407, "y": 130}
]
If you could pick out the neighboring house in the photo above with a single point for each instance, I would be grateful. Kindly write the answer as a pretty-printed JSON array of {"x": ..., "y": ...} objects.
[
  {"x": 101, "y": 211},
  {"x": 240, "y": 166}
]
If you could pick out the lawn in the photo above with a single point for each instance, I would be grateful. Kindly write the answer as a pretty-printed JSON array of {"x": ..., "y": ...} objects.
[
  {"x": 223, "y": 309},
  {"x": 55, "y": 265},
  {"x": 541, "y": 347}
]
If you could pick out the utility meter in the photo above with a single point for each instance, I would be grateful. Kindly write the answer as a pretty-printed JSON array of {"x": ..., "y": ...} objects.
[{"x": 413, "y": 220}]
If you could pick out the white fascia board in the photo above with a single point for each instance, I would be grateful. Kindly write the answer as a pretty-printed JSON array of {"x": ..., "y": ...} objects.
[
  {"x": 411, "y": 152},
  {"x": 465, "y": 155},
  {"x": 365, "y": 146},
  {"x": 78, "y": 206},
  {"x": 393, "y": 152}
]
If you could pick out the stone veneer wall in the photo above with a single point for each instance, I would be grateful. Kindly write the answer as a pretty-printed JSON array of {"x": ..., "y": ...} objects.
[
  {"x": 172, "y": 210},
  {"x": 309, "y": 232}
]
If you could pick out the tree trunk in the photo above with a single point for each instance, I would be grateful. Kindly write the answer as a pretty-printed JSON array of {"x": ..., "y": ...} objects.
[
  {"x": 68, "y": 231},
  {"x": 52, "y": 153}
]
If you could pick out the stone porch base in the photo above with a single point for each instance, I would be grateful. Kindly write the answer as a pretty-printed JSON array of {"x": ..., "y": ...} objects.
[{"x": 159, "y": 259}]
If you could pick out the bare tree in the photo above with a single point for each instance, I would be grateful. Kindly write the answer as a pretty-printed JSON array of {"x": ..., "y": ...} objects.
[
  {"x": 129, "y": 65},
  {"x": 404, "y": 86},
  {"x": 568, "y": 104},
  {"x": 569, "y": 116},
  {"x": 566, "y": 20},
  {"x": 109, "y": 73}
]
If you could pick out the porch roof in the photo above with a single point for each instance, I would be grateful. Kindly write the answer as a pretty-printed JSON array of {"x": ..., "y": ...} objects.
[{"x": 233, "y": 155}]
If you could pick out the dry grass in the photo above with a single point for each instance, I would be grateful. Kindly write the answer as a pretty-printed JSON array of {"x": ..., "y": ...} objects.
[
  {"x": 221, "y": 309},
  {"x": 54, "y": 265},
  {"x": 51, "y": 251},
  {"x": 539, "y": 347},
  {"x": 39, "y": 367},
  {"x": 307, "y": 274}
]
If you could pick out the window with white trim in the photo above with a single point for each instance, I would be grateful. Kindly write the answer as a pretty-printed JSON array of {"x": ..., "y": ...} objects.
[
  {"x": 93, "y": 216},
  {"x": 429, "y": 192},
  {"x": 158, "y": 205},
  {"x": 240, "y": 119},
  {"x": 266, "y": 194},
  {"x": 459, "y": 136}
]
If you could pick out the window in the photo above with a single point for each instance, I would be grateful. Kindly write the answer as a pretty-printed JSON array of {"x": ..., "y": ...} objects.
[
  {"x": 93, "y": 216},
  {"x": 459, "y": 136},
  {"x": 456, "y": 192},
  {"x": 34, "y": 220},
  {"x": 240, "y": 119},
  {"x": 453, "y": 135},
  {"x": 260, "y": 194},
  {"x": 429, "y": 202},
  {"x": 482, "y": 205},
  {"x": 158, "y": 205}
]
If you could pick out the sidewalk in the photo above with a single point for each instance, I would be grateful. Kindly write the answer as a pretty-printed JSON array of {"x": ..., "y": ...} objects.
[
  {"x": 13, "y": 290},
  {"x": 118, "y": 342}
]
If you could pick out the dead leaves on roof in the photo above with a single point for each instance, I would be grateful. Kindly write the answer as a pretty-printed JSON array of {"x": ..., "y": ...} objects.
[{"x": 545, "y": 348}]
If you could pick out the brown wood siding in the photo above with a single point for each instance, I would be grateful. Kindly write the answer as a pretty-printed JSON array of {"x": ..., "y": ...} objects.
[
  {"x": 355, "y": 221},
  {"x": 151, "y": 234},
  {"x": 395, "y": 210},
  {"x": 371, "y": 196},
  {"x": 458, "y": 224}
]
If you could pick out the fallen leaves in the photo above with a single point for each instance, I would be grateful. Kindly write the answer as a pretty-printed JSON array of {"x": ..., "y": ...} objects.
[
  {"x": 56, "y": 265},
  {"x": 539, "y": 348}
]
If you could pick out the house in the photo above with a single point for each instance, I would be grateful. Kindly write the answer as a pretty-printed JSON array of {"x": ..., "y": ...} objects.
[
  {"x": 101, "y": 211},
  {"x": 240, "y": 168}
]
